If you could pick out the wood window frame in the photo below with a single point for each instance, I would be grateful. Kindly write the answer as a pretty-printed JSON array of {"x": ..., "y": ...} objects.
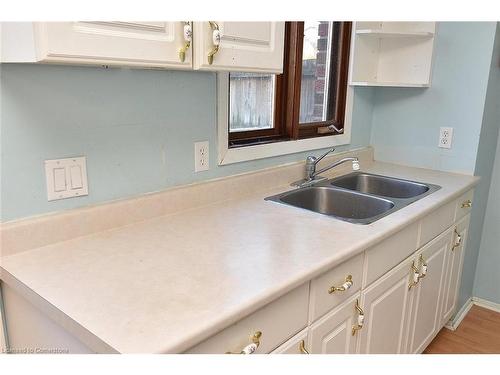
[{"x": 287, "y": 92}]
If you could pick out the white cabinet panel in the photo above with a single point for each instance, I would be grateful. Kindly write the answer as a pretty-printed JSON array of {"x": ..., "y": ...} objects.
[
  {"x": 122, "y": 43},
  {"x": 243, "y": 46},
  {"x": 386, "y": 306},
  {"x": 454, "y": 264},
  {"x": 426, "y": 315},
  {"x": 333, "y": 333}
]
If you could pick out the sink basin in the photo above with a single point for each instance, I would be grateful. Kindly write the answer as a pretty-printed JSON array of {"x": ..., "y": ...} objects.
[
  {"x": 381, "y": 185},
  {"x": 359, "y": 197},
  {"x": 345, "y": 205}
]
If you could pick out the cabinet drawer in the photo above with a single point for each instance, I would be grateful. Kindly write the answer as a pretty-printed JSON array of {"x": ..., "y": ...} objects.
[
  {"x": 437, "y": 222},
  {"x": 277, "y": 321},
  {"x": 390, "y": 252},
  {"x": 464, "y": 204},
  {"x": 323, "y": 298},
  {"x": 296, "y": 345}
]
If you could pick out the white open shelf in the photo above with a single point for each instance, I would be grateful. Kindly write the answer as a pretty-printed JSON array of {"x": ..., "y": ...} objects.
[
  {"x": 395, "y": 54},
  {"x": 389, "y": 84},
  {"x": 394, "y": 34}
]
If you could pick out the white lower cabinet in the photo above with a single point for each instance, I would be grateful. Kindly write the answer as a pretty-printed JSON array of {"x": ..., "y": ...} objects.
[
  {"x": 386, "y": 305},
  {"x": 454, "y": 261},
  {"x": 333, "y": 334},
  {"x": 426, "y": 319}
]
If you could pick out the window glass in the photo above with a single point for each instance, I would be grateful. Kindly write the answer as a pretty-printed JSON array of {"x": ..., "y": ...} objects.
[
  {"x": 251, "y": 98},
  {"x": 315, "y": 71}
]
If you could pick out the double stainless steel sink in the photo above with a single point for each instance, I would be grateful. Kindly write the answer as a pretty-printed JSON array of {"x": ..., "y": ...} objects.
[{"x": 359, "y": 198}]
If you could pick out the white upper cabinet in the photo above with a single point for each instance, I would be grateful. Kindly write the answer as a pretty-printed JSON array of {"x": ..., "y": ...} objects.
[
  {"x": 392, "y": 54},
  {"x": 148, "y": 44},
  {"x": 239, "y": 46},
  {"x": 236, "y": 46}
]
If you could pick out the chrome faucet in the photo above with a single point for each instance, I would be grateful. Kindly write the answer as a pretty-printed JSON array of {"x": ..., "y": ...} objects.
[{"x": 312, "y": 175}]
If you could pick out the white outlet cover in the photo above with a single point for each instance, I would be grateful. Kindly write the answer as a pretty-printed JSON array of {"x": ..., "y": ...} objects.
[
  {"x": 201, "y": 156},
  {"x": 445, "y": 137},
  {"x": 66, "y": 178}
]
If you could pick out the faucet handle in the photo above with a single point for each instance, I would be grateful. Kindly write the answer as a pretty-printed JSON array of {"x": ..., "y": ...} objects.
[{"x": 316, "y": 160}]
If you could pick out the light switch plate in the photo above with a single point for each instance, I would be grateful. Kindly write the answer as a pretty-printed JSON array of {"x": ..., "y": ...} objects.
[{"x": 66, "y": 178}]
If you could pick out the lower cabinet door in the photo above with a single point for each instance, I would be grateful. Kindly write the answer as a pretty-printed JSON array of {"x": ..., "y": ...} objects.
[
  {"x": 386, "y": 306},
  {"x": 296, "y": 345},
  {"x": 426, "y": 319},
  {"x": 454, "y": 263},
  {"x": 332, "y": 334}
]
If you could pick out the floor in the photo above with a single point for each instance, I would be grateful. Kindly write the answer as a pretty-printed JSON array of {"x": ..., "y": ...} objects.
[{"x": 479, "y": 333}]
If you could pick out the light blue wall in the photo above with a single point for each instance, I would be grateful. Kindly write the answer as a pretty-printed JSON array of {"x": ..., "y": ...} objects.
[
  {"x": 406, "y": 121},
  {"x": 136, "y": 128},
  {"x": 487, "y": 277}
]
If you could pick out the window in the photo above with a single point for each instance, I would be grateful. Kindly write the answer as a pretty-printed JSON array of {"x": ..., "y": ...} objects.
[{"x": 308, "y": 100}]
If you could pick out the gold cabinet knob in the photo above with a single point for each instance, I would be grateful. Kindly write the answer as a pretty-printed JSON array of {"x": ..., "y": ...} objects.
[
  {"x": 467, "y": 204},
  {"x": 423, "y": 267},
  {"x": 361, "y": 318},
  {"x": 458, "y": 241},
  {"x": 415, "y": 276},
  {"x": 345, "y": 286},
  {"x": 215, "y": 41},
  {"x": 252, "y": 347},
  {"x": 188, "y": 34},
  {"x": 302, "y": 347}
]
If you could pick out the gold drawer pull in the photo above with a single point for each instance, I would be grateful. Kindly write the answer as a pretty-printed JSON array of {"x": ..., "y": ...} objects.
[
  {"x": 361, "y": 318},
  {"x": 302, "y": 347},
  {"x": 188, "y": 34},
  {"x": 252, "y": 347},
  {"x": 423, "y": 267},
  {"x": 467, "y": 204},
  {"x": 415, "y": 276},
  {"x": 215, "y": 41},
  {"x": 345, "y": 286},
  {"x": 458, "y": 242}
]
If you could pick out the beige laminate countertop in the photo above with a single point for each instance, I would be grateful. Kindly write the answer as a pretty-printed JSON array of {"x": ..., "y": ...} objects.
[{"x": 165, "y": 284}]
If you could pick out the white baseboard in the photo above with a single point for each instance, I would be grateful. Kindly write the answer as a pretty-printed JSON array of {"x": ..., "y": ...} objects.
[
  {"x": 460, "y": 315},
  {"x": 486, "y": 304}
]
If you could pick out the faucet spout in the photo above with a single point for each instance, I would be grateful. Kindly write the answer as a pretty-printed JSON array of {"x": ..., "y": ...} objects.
[{"x": 355, "y": 166}]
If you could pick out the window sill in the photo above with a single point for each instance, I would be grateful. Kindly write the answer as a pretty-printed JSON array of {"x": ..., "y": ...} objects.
[{"x": 246, "y": 153}]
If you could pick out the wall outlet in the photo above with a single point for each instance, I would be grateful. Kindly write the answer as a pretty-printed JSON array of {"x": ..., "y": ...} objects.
[
  {"x": 445, "y": 137},
  {"x": 201, "y": 156}
]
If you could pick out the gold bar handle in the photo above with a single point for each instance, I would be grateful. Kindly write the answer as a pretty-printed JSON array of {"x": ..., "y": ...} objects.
[
  {"x": 188, "y": 34},
  {"x": 253, "y": 346},
  {"x": 467, "y": 204},
  {"x": 423, "y": 267},
  {"x": 215, "y": 40},
  {"x": 345, "y": 286},
  {"x": 361, "y": 318},
  {"x": 302, "y": 347},
  {"x": 458, "y": 242},
  {"x": 415, "y": 276}
]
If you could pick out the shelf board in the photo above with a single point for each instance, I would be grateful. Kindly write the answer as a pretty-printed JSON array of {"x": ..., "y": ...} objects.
[
  {"x": 388, "y": 84},
  {"x": 394, "y": 34}
]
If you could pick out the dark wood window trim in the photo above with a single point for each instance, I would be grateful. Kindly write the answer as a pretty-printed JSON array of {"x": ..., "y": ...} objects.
[{"x": 287, "y": 91}]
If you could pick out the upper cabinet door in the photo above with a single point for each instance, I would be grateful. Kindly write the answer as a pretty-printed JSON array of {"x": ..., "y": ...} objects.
[
  {"x": 239, "y": 46},
  {"x": 151, "y": 44}
]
